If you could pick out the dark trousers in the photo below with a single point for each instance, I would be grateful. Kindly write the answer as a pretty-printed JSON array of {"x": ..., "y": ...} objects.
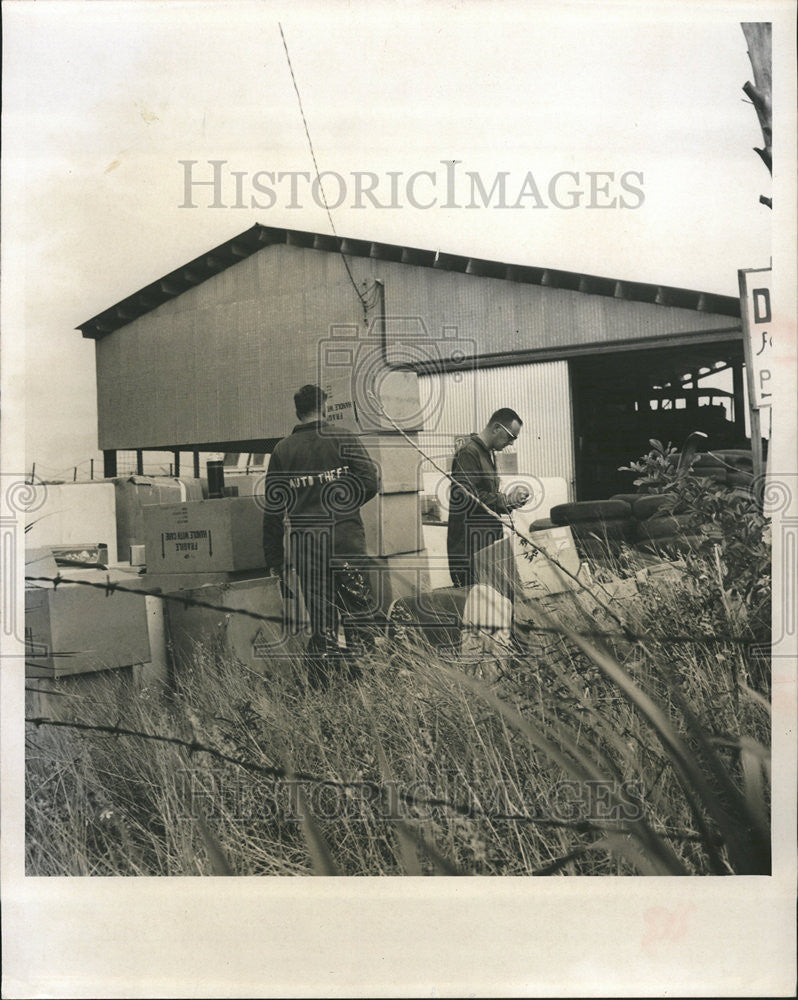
[{"x": 334, "y": 590}]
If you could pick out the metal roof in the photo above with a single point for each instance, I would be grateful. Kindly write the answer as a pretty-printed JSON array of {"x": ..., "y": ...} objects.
[{"x": 249, "y": 242}]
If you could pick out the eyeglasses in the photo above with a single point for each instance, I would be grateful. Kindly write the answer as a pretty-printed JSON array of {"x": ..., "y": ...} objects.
[{"x": 513, "y": 437}]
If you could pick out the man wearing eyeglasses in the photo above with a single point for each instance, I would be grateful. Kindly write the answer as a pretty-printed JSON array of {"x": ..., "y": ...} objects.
[{"x": 471, "y": 527}]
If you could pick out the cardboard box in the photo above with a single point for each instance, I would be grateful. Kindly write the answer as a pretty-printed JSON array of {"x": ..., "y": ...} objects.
[
  {"x": 392, "y": 577},
  {"x": 134, "y": 493},
  {"x": 262, "y": 645},
  {"x": 538, "y": 574},
  {"x": 349, "y": 404},
  {"x": 75, "y": 629},
  {"x": 397, "y": 460},
  {"x": 205, "y": 536},
  {"x": 41, "y": 562},
  {"x": 438, "y": 557},
  {"x": 175, "y": 583},
  {"x": 392, "y": 524},
  {"x": 434, "y": 618},
  {"x": 72, "y": 514},
  {"x": 511, "y": 567}
]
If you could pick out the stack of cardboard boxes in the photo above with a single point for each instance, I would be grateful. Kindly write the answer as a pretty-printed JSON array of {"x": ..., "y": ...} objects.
[
  {"x": 81, "y": 621},
  {"x": 210, "y": 551},
  {"x": 84, "y": 623},
  {"x": 398, "y": 562}
]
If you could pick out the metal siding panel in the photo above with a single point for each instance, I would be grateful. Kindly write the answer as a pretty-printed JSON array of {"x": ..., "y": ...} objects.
[
  {"x": 462, "y": 403},
  {"x": 499, "y": 316},
  {"x": 222, "y": 360}
]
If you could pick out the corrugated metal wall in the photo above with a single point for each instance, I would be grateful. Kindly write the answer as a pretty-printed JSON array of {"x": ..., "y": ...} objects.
[
  {"x": 494, "y": 316},
  {"x": 221, "y": 361},
  {"x": 461, "y": 403}
]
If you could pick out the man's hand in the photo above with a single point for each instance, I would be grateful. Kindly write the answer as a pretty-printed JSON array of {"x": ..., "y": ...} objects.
[{"x": 517, "y": 496}]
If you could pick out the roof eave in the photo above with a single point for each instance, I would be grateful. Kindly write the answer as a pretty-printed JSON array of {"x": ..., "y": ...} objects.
[{"x": 258, "y": 236}]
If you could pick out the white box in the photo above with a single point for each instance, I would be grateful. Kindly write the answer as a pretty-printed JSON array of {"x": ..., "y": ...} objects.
[
  {"x": 134, "y": 493},
  {"x": 262, "y": 645},
  {"x": 403, "y": 575},
  {"x": 435, "y": 544},
  {"x": 392, "y": 524},
  {"x": 512, "y": 567},
  {"x": 398, "y": 402},
  {"x": 398, "y": 461},
  {"x": 538, "y": 574},
  {"x": 74, "y": 629}
]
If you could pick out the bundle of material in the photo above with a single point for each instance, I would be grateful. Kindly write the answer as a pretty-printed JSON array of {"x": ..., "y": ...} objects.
[
  {"x": 732, "y": 466},
  {"x": 649, "y": 521},
  {"x": 598, "y": 526}
]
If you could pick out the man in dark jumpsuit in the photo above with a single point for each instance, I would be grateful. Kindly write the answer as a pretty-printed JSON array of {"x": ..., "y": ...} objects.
[
  {"x": 320, "y": 477},
  {"x": 471, "y": 527}
]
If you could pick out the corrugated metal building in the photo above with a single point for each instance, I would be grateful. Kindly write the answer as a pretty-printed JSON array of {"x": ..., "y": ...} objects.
[{"x": 208, "y": 357}]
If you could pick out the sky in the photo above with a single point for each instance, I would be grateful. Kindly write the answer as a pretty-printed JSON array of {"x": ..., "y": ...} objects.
[{"x": 104, "y": 100}]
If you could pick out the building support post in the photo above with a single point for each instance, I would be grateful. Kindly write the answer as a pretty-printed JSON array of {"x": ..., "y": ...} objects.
[
  {"x": 139, "y": 462},
  {"x": 109, "y": 464},
  {"x": 739, "y": 400},
  {"x": 177, "y": 463},
  {"x": 196, "y": 465}
]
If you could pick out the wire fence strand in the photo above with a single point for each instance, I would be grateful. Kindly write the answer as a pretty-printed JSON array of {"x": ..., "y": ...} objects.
[
  {"x": 278, "y": 773},
  {"x": 109, "y": 588}
]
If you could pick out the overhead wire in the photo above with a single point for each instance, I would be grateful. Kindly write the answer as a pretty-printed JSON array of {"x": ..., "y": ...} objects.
[{"x": 318, "y": 177}]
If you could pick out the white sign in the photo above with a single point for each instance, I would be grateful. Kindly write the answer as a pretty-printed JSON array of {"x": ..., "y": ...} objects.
[{"x": 757, "y": 315}]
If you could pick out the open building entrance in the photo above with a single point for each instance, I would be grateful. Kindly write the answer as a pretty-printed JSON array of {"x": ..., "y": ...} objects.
[{"x": 621, "y": 399}]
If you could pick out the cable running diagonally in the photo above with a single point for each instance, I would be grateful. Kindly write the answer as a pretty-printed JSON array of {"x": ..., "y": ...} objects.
[{"x": 318, "y": 175}]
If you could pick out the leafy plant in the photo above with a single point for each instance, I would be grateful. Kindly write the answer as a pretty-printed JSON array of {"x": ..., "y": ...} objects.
[
  {"x": 729, "y": 562},
  {"x": 656, "y": 471}
]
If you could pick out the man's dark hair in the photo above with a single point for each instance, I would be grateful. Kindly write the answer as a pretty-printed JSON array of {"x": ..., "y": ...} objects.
[
  {"x": 309, "y": 399},
  {"x": 505, "y": 416}
]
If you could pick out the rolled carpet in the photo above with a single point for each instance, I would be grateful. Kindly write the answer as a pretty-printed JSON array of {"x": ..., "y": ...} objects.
[
  {"x": 590, "y": 510},
  {"x": 647, "y": 506},
  {"x": 664, "y": 527}
]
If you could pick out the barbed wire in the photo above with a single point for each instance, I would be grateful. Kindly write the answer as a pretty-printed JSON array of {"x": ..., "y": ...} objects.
[
  {"x": 278, "y": 773},
  {"x": 110, "y": 587}
]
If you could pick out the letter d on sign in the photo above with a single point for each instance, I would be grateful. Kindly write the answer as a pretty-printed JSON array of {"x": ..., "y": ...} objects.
[{"x": 761, "y": 302}]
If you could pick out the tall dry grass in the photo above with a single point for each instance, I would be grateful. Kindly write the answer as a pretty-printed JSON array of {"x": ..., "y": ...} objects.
[{"x": 577, "y": 754}]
